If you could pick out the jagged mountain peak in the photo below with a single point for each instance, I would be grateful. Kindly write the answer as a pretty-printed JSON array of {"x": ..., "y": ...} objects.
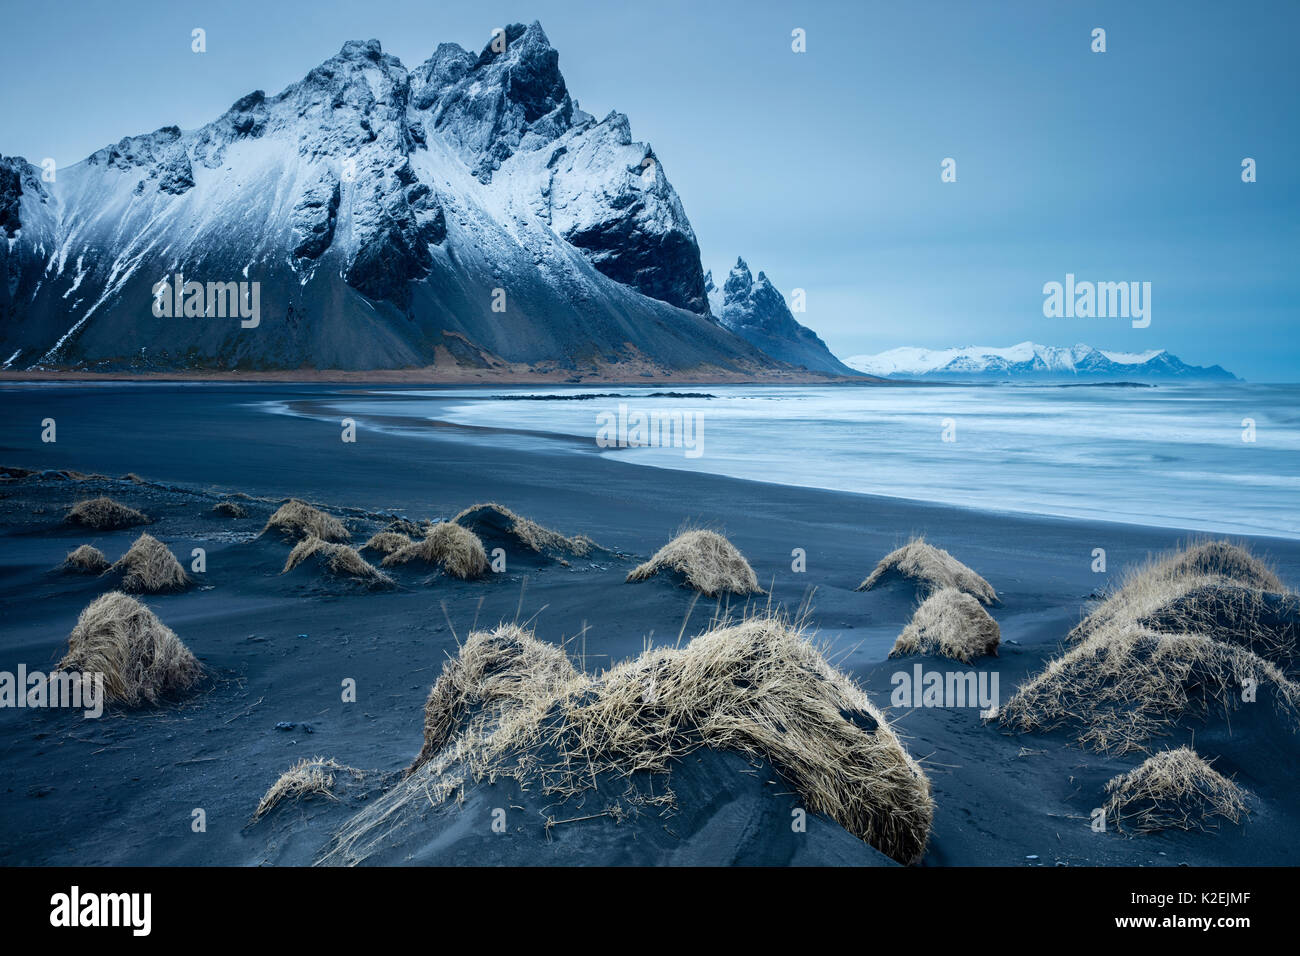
[
  {"x": 754, "y": 309},
  {"x": 378, "y": 208},
  {"x": 371, "y": 50}
]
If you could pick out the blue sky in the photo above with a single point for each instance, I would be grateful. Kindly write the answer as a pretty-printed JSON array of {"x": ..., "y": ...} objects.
[{"x": 822, "y": 168}]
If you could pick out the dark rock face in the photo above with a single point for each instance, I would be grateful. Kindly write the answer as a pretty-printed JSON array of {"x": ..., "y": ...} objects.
[
  {"x": 314, "y": 218},
  {"x": 609, "y": 197},
  {"x": 403, "y": 220},
  {"x": 756, "y": 311},
  {"x": 509, "y": 96},
  {"x": 11, "y": 194},
  {"x": 161, "y": 154},
  {"x": 246, "y": 119},
  {"x": 662, "y": 265}
]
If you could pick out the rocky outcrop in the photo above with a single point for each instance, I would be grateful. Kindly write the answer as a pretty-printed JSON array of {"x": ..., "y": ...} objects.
[{"x": 757, "y": 312}]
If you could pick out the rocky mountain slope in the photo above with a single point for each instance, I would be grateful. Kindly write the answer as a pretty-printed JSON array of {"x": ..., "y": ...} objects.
[{"x": 462, "y": 213}]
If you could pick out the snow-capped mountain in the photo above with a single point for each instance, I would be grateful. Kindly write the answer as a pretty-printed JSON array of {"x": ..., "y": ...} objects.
[
  {"x": 1030, "y": 361},
  {"x": 464, "y": 211},
  {"x": 757, "y": 312}
]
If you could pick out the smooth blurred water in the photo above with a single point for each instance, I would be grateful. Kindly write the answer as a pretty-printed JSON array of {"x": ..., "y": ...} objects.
[{"x": 1171, "y": 456}]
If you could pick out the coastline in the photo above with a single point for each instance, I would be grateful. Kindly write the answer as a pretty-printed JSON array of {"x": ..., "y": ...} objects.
[{"x": 279, "y": 645}]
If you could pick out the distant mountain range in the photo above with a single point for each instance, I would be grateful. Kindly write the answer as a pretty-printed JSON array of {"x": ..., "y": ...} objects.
[
  {"x": 465, "y": 213},
  {"x": 1028, "y": 361}
]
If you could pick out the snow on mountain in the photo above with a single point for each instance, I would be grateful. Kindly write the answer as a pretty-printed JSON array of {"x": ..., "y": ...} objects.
[
  {"x": 757, "y": 312},
  {"x": 1030, "y": 361},
  {"x": 466, "y": 210}
]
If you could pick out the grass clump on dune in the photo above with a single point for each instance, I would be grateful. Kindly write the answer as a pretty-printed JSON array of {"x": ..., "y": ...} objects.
[
  {"x": 1179, "y": 639},
  {"x": 340, "y": 560},
  {"x": 949, "y": 623},
  {"x": 306, "y": 778},
  {"x": 86, "y": 559},
  {"x": 1124, "y": 684},
  {"x": 1213, "y": 588},
  {"x": 932, "y": 568},
  {"x": 230, "y": 509},
  {"x": 149, "y": 566},
  {"x": 104, "y": 514},
  {"x": 1174, "y": 789},
  {"x": 511, "y": 706},
  {"x": 457, "y": 550},
  {"x": 386, "y": 542},
  {"x": 707, "y": 562},
  {"x": 142, "y": 660},
  {"x": 300, "y": 520},
  {"x": 491, "y": 518}
]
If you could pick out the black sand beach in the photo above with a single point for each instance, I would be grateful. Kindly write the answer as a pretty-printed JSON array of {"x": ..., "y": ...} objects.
[{"x": 122, "y": 789}]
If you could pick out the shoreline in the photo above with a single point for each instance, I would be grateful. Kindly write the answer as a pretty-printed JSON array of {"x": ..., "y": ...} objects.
[{"x": 278, "y": 644}]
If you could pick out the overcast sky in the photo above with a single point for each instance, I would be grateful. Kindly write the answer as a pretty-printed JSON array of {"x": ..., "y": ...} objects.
[{"x": 823, "y": 168}]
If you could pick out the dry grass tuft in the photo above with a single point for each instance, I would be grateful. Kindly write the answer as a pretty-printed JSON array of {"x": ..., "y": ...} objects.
[
  {"x": 1223, "y": 559},
  {"x": 931, "y": 567},
  {"x": 337, "y": 559},
  {"x": 386, "y": 542},
  {"x": 950, "y": 623},
  {"x": 485, "y": 519},
  {"x": 306, "y": 778},
  {"x": 1179, "y": 639},
  {"x": 300, "y": 520},
  {"x": 1125, "y": 684},
  {"x": 457, "y": 550},
  {"x": 150, "y": 567},
  {"x": 142, "y": 660},
  {"x": 86, "y": 559},
  {"x": 1174, "y": 789},
  {"x": 511, "y": 706},
  {"x": 230, "y": 509},
  {"x": 104, "y": 514},
  {"x": 408, "y": 527},
  {"x": 1154, "y": 591},
  {"x": 709, "y": 563}
]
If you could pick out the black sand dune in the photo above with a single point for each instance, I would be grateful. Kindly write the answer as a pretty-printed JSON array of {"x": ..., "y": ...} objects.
[{"x": 280, "y": 648}]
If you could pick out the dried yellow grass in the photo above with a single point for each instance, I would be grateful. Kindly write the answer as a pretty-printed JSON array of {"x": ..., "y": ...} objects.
[
  {"x": 1174, "y": 789},
  {"x": 1164, "y": 582},
  {"x": 104, "y": 514},
  {"x": 950, "y": 623},
  {"x": 932, "y": 568},
  {"x": 142, "y": 659},
  {"x": 149, "y": 567},
  {"x": 1124, "y": 684},
  {"x": 512, "y": 706},
  {"x": 386, "y": 542},
  {"x": 1178, "y": 640},
  {"x": 306, "y": 778},
  {"x": 706, "y": 560},
  {"x": 230, "y": 509},
  {"x": 300, "y": 520},
  {"x": 489, "y": 517},
  {"x": 457, "y": 550},
  {"x": 339, "y": 560},
  {"x": 86, "y": 559}
]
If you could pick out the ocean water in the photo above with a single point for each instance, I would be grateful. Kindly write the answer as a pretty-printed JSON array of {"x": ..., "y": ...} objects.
[{"x": 1171, "y": 456}]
